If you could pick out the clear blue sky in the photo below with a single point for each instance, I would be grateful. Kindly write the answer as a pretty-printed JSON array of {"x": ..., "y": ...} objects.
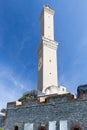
[{"x": 19, "y": 38}]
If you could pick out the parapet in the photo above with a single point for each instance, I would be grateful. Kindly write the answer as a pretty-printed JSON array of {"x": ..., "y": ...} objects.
[
  {"x": 34, "y": 98},
  {"x": 44, "y": 99},
  {"x": 82, "y": 91},
  {"x": 15, "y": 104}
]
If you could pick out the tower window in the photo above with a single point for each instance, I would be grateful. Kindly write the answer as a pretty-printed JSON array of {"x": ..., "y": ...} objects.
[{"x": 62, "y": 89}]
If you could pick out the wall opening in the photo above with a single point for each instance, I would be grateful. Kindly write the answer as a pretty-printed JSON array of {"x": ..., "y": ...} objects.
[
  {"x": 42, "y": 128},
  {"x": 76, "y": 129},
  {"x": 16, "y": 128}
]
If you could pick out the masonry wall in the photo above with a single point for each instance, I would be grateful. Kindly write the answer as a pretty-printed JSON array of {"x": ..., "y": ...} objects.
[
  {"x": 2, "y": 118},
  {"x": 56, "y": 108}
]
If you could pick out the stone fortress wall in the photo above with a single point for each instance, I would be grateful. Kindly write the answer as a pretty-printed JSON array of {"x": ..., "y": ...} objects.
[
  {"x": 57, "y": 110},
  {"x": 2, "y": 120}
]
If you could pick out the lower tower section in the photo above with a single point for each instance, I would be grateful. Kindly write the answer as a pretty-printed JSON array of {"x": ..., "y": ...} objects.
[{"x": 47, "y": 64}]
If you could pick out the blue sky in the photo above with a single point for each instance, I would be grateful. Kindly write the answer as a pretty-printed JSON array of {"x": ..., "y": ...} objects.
[{"x": 20, "y": 36}]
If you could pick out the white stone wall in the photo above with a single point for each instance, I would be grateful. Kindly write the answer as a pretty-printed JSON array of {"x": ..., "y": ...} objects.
[
  {"x": 49, "y": 67},
  {"x": 63, "y": 125},
  {"x": 47, "y": 23},
  {"x": 41, "y": 26},
  {"x": 47, "y": 74},
  {"x": 52, "y": 125},
  {"x": 48, "y": 26},
  {"x": 28, "y": 126}
]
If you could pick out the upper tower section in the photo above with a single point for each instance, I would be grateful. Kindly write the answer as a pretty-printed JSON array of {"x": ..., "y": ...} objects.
[{"x": 47, "y": 23}]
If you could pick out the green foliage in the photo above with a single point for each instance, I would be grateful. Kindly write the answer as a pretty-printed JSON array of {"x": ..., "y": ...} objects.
[
  {"x": 3, "y": 110},
  {"x": 32, "y": 95},
  {"x": 27, "y": 98}
]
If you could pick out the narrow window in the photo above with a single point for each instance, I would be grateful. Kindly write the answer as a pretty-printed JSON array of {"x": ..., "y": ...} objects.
[{"x": 48, "y": 26}]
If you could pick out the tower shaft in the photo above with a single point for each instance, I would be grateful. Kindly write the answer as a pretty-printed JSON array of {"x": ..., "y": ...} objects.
[{"x": 47, "y": 52}]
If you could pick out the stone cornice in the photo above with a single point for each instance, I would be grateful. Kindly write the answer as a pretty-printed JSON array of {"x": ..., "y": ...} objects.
[{"x": 47, "y": 42}]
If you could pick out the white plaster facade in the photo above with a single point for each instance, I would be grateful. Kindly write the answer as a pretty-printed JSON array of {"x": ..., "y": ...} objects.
[
  {"x": 47, "y": 51},
  {"x": 47, "y": 54},
  {"x": 47, "y": 23},
  {"x": 55, "y": 89}
]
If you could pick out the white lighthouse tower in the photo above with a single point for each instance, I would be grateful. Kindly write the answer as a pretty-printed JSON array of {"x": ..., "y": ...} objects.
[{"x": 47, "y": 54}]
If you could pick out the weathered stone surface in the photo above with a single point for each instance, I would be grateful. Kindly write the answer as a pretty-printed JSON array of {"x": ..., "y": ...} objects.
[
  {"x": 2, "y": 118},
  {"x": 55, "y": 108}
]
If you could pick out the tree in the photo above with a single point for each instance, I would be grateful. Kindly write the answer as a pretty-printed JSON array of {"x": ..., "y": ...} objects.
[{"x": 3, "y": 110}]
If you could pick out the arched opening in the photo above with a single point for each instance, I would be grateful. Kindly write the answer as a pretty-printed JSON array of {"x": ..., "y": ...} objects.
[
  {"x": 16, "y": 128},
  {"x": 76, "y": 129},
  {"x": 42, "y": 128}
]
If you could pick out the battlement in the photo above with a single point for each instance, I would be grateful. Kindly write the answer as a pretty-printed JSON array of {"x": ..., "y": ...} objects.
[
  {"x": 51, "y": 107},
  {"x": 46, "y": 100}
]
